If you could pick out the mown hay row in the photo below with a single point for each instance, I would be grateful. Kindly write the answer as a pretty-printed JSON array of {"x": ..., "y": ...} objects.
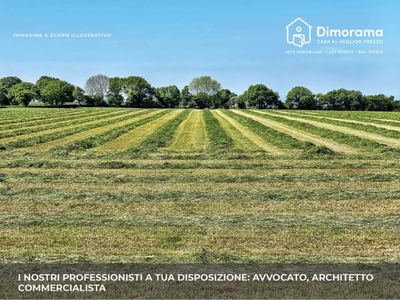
[
  {"x": 233, "y": 207},
  {"x": 191, "y": 134},
  {"x": 139, "y": 134},
  {"x": 300, "y": 135},
  {"x": 93, "y": 132},
  {"x": 51, "y": 119},
  {"x": 161, "y": 243},
  {"x": 65, "y": 128},
  {"x": 244, "y": 138},
  {"x": 203, "y": 186},
  {"x": 57, "y": 123},
  {"x": 351, "y": 121},
  {"x": 346, "y": 130},
  {"x": 387, "y": 172}
]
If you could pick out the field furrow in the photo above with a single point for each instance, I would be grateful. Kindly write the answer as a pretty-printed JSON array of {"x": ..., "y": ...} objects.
[
  {"x": 362, "y": 134},
  {"x": 191, "y": 134},
  {"x": 139, "y": 134},
  {"x": 301, "y": 135}
]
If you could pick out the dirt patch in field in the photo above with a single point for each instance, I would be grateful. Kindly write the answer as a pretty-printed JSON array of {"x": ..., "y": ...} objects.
[{"x": 300, "y": 135}]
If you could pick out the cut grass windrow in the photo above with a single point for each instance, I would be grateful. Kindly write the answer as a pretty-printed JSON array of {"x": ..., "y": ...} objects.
[
  {"x": 93, "y": 133},
  {"x": 47, "y": 119},
  {"x": 36, "y": 160},
  {"x": 55, "y": 123},
  {"x": 200, "y": 186},
  {"x": 146, "y": 220},
  {"x": 385, "y": 120},
  {"x": 352, "y": 115},
  {"x": 139, "y": 134},
  {"x": 242, "y": 137},
  {"x": 369, "y": 174},
  {"x": 15, "y": 116},
  {"x": 384, "y": 126},
  {"x": 161, "y": 138},
  {"x": 206, "y": 176},
  {"x": 33, "y": 139},
  {"x": 364, "y": 145},
  {"x": 300, "y": 135},
  {"x": 134, "y": 197},
  {"x": 214, "y": 207},
  {"x": 191, "y": 134},
  {"x": 269, "y": 135},
  {"x": 219, "y": 141},
  {"x": 155, "y": 243},
  {"x": 239, "y": 140},
  {"x": 392, "y": 142}
]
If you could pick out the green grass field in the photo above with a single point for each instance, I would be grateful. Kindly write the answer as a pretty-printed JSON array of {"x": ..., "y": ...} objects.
[{"x": 163, "y": 185}]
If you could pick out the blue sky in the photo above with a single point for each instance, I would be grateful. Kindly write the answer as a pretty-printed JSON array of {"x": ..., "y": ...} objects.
[{"x": 237, "y": 42}]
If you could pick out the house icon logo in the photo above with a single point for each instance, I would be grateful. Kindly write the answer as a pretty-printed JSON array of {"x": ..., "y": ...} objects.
[{"x": 298, "y": 33}]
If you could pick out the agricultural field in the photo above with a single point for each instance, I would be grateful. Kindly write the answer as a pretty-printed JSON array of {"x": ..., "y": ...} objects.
[{"x": 178, "y": 185}]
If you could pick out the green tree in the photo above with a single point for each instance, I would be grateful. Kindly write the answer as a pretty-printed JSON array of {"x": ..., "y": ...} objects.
[
  {"x": 225, "y": 98},
  {"x": 79, "y": 95},
  {"x": 342, "y": 99},
  {"x": 23, "y": 93},
  {"x": 259, "y": 96},
  {"x": 396, "y": 105},
  {"x": 115, "y": 91},
  {"x": 57, "y": 92},
  {"x": 356, "y": 101},
  {"x": 203, "y": 89},
  {"x": 308, "y": 102},
  {"x": 241, "y": 102},
  {"x": 320, "y": 101},
  {"x": 380, "y": 103},
  {"x": 169, "y": 96},
  {"x": 138, "y": 91},
  {"x": 41, "y": 83},
  {"x": 6, "y": 83},
  {"x": 294, "y": 96},
  {"x": 187, "y": 98}
]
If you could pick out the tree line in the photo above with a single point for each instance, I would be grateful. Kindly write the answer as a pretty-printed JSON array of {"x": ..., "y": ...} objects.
[{"x": 201, "y": 92}]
